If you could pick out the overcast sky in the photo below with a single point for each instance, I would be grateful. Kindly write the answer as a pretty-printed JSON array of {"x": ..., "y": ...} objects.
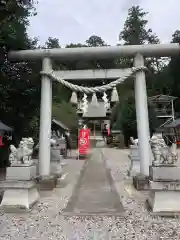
[{"x": 74, "y": 21}]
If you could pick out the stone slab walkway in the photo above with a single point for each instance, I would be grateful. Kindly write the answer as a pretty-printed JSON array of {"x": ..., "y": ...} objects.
[{"x": 95, "y": 192}]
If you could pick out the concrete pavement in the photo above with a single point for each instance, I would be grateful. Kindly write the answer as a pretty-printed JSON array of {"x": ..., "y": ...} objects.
[{"x": 95, "y": 192}]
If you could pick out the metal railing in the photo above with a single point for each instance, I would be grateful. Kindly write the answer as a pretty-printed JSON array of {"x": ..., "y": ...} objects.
[{"x": 163, "y": 112}]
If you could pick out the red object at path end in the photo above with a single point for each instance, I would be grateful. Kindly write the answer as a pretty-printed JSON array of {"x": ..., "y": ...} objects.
[
  {"x": 1, "y": 141},
  {"x": 109, "y": 131},
  {"x": 83, "y": 141}
]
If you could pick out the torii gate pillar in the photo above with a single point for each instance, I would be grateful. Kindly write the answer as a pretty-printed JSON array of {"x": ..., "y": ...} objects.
[
  {"x": 142, "y": 117},
  {"x": 45, "y": 121}
]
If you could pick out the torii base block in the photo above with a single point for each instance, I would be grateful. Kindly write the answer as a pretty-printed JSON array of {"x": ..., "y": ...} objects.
[
  {"x": 141, "y": 182},
  {"x": 47, "y": 183}
]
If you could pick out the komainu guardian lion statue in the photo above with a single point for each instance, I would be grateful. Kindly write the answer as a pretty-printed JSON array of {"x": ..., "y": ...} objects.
[{"x": 22, "y": 154}]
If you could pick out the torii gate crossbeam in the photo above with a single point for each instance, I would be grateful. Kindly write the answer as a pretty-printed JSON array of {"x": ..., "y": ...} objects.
[{"x": 148, "y": 50}]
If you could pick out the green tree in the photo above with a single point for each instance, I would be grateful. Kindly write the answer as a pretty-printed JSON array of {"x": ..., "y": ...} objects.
[
  {"x": 174, "y": 72},
  {"x": 95, "y": 41},
  {"x": 19, "y": 91},
  {"x": 60, "y": 93},
  {"x": 76, "y": 64},
  {"x": 52, "y": 43},
  {"x": 66, "y": 113},
  {"x": 126, "y": 118},
  {"x": 134, "y": 31}
]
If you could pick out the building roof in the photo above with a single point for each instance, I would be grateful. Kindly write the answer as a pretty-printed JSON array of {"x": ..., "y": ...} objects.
[
  {"x": 162, "y": 98},
  {"x": 95, "y": 111},
  {"x": 4, "y": 127},
  {"x": 60, "y": 124},
  {"x": 173, "y": 124}
]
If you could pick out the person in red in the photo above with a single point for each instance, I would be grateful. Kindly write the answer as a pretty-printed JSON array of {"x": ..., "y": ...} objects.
[
  {"x": 108, "y": 130},
  {"x": 1, "y": 141}
]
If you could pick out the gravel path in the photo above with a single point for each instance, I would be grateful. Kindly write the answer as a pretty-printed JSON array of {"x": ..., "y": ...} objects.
[
  {"x": 138, "y": 224},
  {"x": 45, "y": 221}
]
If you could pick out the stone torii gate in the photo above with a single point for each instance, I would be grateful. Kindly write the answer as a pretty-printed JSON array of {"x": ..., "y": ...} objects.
[{"x": 138, "y": 52}]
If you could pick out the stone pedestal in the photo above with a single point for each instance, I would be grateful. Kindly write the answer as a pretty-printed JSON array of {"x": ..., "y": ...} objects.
[
  {"x": 22, "y": 173},
  {"x": 56, "y": 160},
  {"x": 20, "y": 190},
  {"x": 135, "y": 161},
  {"x": 55, "y": 154},
  {"x": 134, "y": 168},
  {"x": 36, "y": 162},
  {"x": 164, "y": 187}
]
